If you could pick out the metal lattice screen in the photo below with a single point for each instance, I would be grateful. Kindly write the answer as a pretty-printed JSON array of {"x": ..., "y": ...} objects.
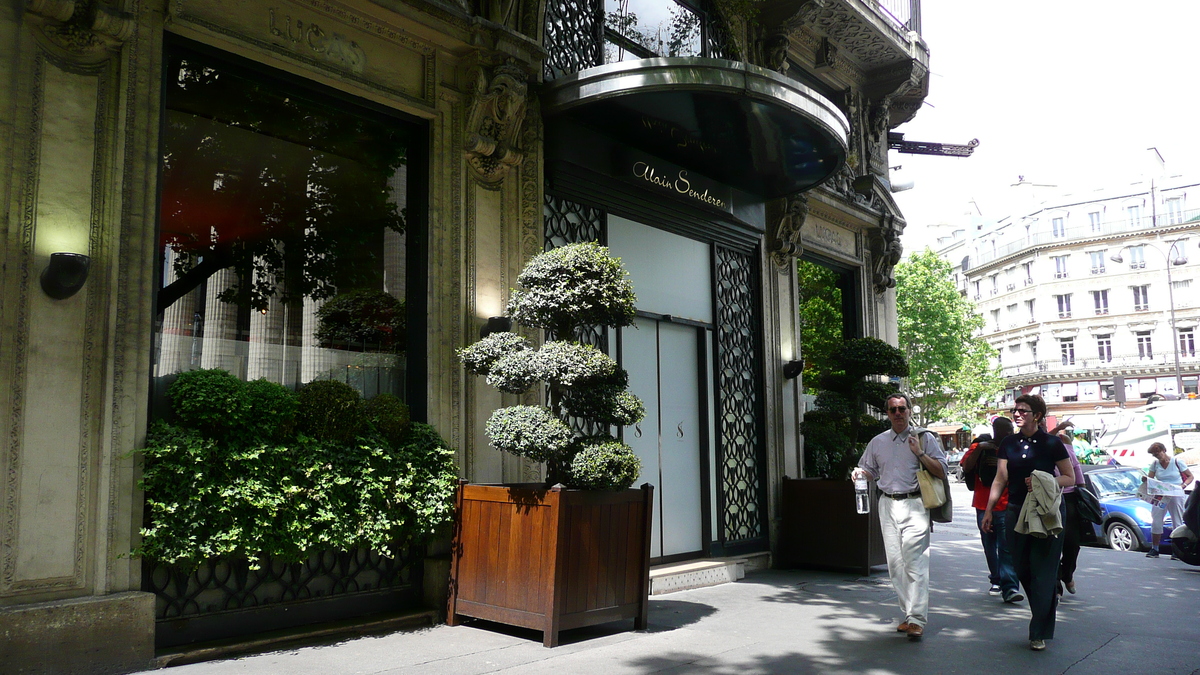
[{"x": 740, "y": 462}]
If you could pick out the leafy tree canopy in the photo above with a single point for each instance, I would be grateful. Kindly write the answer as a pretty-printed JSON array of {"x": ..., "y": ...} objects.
[
  {"x": 949, "y": 365},
  {"x": 820, "y": 318}
]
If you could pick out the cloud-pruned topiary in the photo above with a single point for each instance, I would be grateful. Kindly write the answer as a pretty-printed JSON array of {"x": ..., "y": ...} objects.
[
  {"x": 604, "y": 463},
  {"x": 561, "y": 291},
  {"x": 571, "y": 286}
]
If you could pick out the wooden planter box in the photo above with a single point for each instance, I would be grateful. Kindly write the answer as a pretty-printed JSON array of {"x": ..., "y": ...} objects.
[
  {"x": 821, "y": 528},
  {"x": 550, "y": 559}
]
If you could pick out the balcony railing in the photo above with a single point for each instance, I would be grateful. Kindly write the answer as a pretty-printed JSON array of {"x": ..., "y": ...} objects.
[
  {"x": 905, "y": 13},
  {"x": 1131, "y": 362},
  {"x": 1085, "y": 231}
]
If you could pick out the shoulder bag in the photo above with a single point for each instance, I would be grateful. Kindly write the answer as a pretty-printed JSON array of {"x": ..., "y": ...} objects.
[{"x": 1088, "y": 506}]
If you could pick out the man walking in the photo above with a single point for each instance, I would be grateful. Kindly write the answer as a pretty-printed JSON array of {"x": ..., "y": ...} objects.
[{"x": 892, "y": 459}]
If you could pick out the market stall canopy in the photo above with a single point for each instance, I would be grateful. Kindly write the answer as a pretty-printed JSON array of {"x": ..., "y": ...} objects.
[{"x": 733, "y": 122}]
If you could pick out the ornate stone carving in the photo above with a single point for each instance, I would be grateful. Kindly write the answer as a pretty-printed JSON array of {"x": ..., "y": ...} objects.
[
  {"x": 494, "y": 124},
  {"x": 886, "y": 250},
  {"x": 84, "y": 31},
  {"x": 503, "y": 12},
  {"x": 785, "y": 241}
]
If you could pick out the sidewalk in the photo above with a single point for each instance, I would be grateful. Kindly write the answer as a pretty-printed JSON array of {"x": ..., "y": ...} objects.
[{"x": 1132, "y": 615}]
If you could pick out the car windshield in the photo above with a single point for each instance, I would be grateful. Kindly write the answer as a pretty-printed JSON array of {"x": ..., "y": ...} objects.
[{"x": 1124, "y": 482}]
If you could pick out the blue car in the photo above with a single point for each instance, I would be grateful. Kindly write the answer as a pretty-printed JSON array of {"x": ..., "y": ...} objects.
[{"x": 1126, "y": 525}]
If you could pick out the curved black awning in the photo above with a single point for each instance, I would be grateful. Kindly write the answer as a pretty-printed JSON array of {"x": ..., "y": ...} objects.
[{"x": 737, "y": 123}]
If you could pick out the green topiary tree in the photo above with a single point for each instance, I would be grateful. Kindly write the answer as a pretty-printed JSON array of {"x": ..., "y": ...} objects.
[
  {"x": 836, "y": 431},
  {"x": 561, "y": 291}
]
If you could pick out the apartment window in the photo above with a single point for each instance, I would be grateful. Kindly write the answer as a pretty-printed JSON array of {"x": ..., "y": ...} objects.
[
  {"x": 1064, "y": 305},
  {"x": 996, "y": 319},
  {"x": 1187, "y": 341},
  {"x": 1011, "y": 314},
  {"x": 1033, "y": 351},
  {"x": 1100, "y": 299},
  {"x": 1028, "y": 272},
  {"x": 1094, "y": 221},
  {"x": 1141, "y": 298},
  {"x": 1104, "y": 346},
  {"x": 977, "y": 295},
  {"x": 1029, "y": 308},
  {"x": 1133, "y": 215},
  {"x": 1145, "y": 351},
  {"x": 1066, "y": 348},
  {"x": 1175, "y": 210},
  {"x": 1182, "y": 292},
  {"x": 1057, "y": 226},
  {"x": 1010, "y": 279},
  {"x": 995, "y": 283},
  {"x": 1097, "y": 261},
  {"x": 1060, "y": 266},
  {"x": 1137, "y": 257}
]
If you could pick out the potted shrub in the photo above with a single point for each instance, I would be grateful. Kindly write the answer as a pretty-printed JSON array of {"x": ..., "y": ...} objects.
[
  {"x": 574, "y": 551},
  {"x": 820, "y": 525}
]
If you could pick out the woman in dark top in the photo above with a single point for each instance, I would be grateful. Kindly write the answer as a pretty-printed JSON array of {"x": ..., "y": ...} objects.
[{"x": 1035, "y": 559}]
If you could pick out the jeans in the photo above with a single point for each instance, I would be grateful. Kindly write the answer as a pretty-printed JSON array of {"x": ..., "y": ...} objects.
[{"x": 995, "y": 549}]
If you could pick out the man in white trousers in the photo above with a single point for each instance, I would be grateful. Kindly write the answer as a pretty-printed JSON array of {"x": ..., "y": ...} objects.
[{"x": 892, "y": 459}]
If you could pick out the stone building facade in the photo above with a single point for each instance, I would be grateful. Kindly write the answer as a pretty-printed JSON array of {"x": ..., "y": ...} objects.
[{"x": 149, "y": 136}]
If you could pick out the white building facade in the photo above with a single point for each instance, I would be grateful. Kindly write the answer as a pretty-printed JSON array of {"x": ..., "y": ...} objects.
[{"x": 1077, "y": 294}]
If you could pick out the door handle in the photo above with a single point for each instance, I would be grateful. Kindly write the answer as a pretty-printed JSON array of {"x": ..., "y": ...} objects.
[
  {"x": 679, "y": 432},
  {"x": 637, "y": 430}
]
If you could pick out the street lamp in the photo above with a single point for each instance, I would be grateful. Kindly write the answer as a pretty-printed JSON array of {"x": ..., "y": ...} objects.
[{"x": 1180, "y": 259}]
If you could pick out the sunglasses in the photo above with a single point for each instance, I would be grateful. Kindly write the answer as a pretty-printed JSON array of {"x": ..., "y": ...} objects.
[
  {"x": 897, "y": 408},
  {"x": 1020, "y": 411}
]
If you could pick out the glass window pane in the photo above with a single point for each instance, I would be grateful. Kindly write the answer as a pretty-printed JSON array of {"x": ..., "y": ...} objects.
[{"x": 282, "y": 232}]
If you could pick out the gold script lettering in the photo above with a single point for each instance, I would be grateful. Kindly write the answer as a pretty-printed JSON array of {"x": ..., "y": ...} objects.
[{"x": 680, "y": 184}]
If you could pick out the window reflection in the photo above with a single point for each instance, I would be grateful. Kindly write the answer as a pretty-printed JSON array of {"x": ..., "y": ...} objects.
[
  {"x": 282, "y": 225},
  {"x": 638, "y": 29}
]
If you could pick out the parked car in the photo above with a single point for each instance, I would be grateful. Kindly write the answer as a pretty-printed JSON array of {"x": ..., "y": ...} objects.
[
  {"x": 953, "y": 457},
  {"x": 1126, "y": 525}
]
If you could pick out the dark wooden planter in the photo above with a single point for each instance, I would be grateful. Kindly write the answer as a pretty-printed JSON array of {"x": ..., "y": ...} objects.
[
  {"x": 550, "y": 559},
  {"x": 821, "y": 528}
]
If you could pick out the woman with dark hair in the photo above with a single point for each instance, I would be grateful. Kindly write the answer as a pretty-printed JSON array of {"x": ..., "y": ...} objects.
[
  {"x": 1073, "y": 523},
  {"x": 981, "y": 462},
  {"x": 1025, "y": 465}
]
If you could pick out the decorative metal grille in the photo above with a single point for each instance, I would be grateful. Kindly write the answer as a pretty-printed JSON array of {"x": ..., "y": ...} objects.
[
  {"x": 569, "y": 223},
  {"x": 740, "y": 459},
  {"x": 574, "y": 37},
  {"x": 716, "y": 37},
  {"x": 227, "y": 585}
]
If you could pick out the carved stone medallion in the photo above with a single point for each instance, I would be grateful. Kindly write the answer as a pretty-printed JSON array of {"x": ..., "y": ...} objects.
[{"x": 497, "y": 112}]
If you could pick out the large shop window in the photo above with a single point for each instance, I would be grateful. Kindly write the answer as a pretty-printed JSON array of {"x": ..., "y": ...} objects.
[{"x": 284, "y": 234}]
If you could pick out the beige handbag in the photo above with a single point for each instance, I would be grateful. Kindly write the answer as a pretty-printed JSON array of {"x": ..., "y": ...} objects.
[{"x": 933, "y": 490}]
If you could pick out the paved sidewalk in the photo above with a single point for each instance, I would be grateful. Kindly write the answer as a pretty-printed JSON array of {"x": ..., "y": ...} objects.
[{"x": 1132, "y": 615}]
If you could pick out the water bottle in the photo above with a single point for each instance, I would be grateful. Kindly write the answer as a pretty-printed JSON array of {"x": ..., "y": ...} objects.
[{"x": 861, "y": 502}]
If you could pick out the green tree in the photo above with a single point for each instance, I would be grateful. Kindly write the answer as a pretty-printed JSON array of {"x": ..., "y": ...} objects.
[
  {"x": 937, "y": 328},
  {"x": 974, "y": 384},
  {"x": 820, "y": 319}
]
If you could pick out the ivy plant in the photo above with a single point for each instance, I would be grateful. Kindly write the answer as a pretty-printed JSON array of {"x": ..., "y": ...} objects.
[{"x": 260, "y": 484}]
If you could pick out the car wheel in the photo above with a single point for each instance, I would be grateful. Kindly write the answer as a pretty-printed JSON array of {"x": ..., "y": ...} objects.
[{"x": 1121, "y": 537}]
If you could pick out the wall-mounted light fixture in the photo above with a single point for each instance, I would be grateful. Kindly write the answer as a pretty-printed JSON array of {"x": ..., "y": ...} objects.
[
  {"x": 65, "y": 274},
  {"x": 495, "y": 324},
  {"x": 792, "y": 369}
]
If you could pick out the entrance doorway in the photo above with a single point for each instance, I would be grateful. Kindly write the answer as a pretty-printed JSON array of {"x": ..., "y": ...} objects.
[{"x": 666, "y": 370}]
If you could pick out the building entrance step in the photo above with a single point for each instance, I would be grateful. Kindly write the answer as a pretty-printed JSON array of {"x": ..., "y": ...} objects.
[{"x": 682, "y": 576}]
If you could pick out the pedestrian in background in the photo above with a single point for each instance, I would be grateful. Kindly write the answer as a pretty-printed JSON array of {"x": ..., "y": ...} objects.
[
  {"x": 1072, "y": 522},
  {"x": 1172, "y": 471},
  {"x": 981, "y": 462},
  {"x": 1035, "y": 558},
  {"x": 892, "y": 459}
]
